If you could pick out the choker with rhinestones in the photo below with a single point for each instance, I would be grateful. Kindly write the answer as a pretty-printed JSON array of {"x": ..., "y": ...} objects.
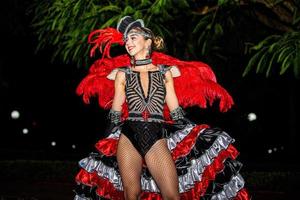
[{"x": 141, "y": 62}]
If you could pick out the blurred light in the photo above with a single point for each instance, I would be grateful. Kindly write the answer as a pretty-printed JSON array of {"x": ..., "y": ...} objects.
[
  {"x": 15, "y": 114},
  {"x": 252, "y": 117},
  {"x": 53, "y": 143},
  {"x": 73, "y": 146},
  {"x": 25, "y": 131},
  {"x": 270, "y": 151},
  {"x": 274, "y": 149},
  {"x": 281, "y": 147}
]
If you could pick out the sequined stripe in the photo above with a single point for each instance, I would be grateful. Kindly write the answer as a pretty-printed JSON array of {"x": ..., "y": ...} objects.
[
  {"x": 156, "y": 94},
  {"x": 139, "y": 115},
  {"x": 133, "y": 93},
  {"x": 136, "y": 97},
  {"x": 230, "y": 189},
  {"x": 186, "y": 181},
  {"x": 141, "y": 119}
]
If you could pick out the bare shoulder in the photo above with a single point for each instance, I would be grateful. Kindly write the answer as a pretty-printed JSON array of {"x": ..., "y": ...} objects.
[
  {"x": 168, "y": 76},
  {"x": 120, "y": 76}
]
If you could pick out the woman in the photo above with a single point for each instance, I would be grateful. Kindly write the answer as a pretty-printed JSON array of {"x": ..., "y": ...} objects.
[{"x": 156, "y": 158}]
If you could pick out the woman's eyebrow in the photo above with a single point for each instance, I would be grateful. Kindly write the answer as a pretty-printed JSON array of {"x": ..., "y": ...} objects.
[{"x": 133, "y": 34}]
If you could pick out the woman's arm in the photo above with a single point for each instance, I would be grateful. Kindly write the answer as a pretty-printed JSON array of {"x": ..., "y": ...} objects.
[
  {"x": 119, "y": 96},
  {"x": 171, "y": 98},
  {"x": 115, "y": 113},
  {"x": 176, "y": 112}
]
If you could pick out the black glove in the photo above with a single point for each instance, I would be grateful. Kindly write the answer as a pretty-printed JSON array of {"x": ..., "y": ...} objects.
[
  {"x": 178, "y": 115},
  {"x": 114, "y": 122}
]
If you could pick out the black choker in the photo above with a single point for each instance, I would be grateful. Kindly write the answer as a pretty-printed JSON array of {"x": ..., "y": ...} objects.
[{"x": 141, "y": 62}]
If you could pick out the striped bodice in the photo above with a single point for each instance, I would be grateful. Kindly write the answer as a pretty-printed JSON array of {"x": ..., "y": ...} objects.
[{"x": 145, "y": 105}]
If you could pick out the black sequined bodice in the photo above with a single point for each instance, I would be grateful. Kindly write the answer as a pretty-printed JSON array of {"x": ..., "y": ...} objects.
[{"x": 142, "y": 105}]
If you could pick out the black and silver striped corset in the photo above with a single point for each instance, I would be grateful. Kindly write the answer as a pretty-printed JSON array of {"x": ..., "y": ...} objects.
[{"x": 147, "y": 107}]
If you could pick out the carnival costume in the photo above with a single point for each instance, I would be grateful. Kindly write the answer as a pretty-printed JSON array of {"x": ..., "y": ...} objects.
[{"x": 204, "y": 156}]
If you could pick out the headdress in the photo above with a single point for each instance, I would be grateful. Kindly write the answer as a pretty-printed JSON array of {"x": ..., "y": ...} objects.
[{"x": 104, "y": 38}]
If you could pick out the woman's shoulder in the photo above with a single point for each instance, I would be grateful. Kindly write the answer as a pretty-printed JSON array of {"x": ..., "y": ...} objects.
[
  {"x": 171, "y": 70},
  {"x": 120, "y": 71}
]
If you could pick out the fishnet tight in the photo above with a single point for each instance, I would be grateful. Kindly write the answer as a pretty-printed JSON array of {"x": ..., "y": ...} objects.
[{"x": 160, "y": 165}]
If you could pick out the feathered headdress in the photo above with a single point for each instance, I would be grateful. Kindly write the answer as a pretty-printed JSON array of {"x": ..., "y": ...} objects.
[{"x": 104, "y": 38}]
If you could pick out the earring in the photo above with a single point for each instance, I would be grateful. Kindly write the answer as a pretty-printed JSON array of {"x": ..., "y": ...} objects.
[
  {"x": 132, "y": 61},
  {"x": 148, "y": 52}
]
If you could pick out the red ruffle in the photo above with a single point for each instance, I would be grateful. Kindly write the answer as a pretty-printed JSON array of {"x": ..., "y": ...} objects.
[
  {"x": 185, "y": 146},
  {"x": 107, "y": 190},
  {"x": 107, "y": 146},
  {"x": 209, "y": 174},
  {"x": 242, "y": 195}
]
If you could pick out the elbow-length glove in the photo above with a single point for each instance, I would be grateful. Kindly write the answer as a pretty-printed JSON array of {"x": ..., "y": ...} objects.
[
  {"x": 178, "y": 115},
  {"x": 114, "y": 121}
]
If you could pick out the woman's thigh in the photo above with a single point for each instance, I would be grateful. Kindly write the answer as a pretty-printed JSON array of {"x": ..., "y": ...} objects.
[
  {"x": 162, "y": 167},
  {"x": 130, "y": 162}
]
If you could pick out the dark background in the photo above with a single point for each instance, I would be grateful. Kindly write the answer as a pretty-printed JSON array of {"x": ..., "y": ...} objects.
[{"x": 44, "y": 94}]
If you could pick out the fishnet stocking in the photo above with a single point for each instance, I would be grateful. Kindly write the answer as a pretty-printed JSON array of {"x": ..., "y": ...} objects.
[
  {"x": 130, "y": 166},
  {"x": 162, "y": 168}
]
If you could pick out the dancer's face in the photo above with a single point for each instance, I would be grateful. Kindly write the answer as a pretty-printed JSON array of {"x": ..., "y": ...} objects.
[{"x": 136, "y": 45}]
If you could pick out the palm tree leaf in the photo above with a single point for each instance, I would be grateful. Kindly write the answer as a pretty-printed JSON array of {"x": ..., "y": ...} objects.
[
  {"x": 262, "y": 61},
  {"x": 253, "y": 60},
  {"x": 296, "y": 63},
  {"x": 110, "y": 22},
  {"x": 286, "y": 63},
  {"x": 270, "y": 64},
  {"x": 203, "y": 22},
  {"x": 266, "y": 41},
  {"x": 283, "y": 54}
]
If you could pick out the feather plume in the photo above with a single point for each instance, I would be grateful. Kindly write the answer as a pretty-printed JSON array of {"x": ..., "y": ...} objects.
[{"x": 103, "y": 39}]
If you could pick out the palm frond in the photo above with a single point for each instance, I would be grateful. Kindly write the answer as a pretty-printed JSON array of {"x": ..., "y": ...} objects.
[{"x": 276, "y": 51}]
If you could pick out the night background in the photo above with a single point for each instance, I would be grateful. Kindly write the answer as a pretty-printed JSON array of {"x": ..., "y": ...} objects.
[{"x": 45, "y": 128}]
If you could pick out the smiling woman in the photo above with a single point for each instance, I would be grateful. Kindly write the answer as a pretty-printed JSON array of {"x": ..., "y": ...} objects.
[{"x": 151, "y": 150}]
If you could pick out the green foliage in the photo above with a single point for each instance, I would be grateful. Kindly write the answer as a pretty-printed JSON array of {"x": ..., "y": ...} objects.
[
  {"x": 276, "y": 51},
  {"x": 280, "y": 50},
  {"x": 65, "y": 24},
  {"x": 204, "y": 31},
  {"x": 210, "y": 28}
]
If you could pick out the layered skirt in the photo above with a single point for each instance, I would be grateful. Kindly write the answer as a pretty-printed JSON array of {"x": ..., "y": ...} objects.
[{"x": 204, "y": 157}]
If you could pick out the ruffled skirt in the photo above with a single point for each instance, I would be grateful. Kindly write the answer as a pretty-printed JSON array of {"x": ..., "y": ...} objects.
[{"x": 204, "y": 157}]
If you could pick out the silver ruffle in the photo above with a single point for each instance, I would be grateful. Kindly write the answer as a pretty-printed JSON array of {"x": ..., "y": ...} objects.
[
  {"x": 179, "y": 135},
  {"x": 198, "y": 165},
  {"x": 92, "y": 165},
  {"x": 230, "y": 189},
  {"x": 77, "y": 197},
  {"x": 186, "y": 181}
]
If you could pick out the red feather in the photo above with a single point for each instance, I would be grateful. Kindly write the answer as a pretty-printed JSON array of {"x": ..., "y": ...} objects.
[
  {"x": 197, "y": 85},
  {"x": 104, "y": 38}
]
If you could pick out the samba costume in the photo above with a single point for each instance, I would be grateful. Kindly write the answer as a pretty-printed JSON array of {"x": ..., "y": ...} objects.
[{"x": 204, "y": 157}]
